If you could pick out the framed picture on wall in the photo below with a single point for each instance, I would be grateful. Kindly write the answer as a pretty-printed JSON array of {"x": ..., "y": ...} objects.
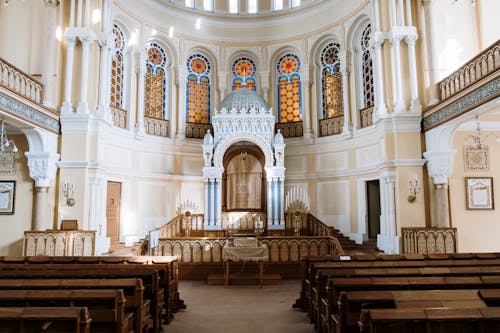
[
  {"x": 7, "y": 196},
  {"x": 479, "y": 193}
]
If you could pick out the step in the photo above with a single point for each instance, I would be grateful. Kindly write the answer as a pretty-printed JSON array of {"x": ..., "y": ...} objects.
[{"x": 244, "y": 279}]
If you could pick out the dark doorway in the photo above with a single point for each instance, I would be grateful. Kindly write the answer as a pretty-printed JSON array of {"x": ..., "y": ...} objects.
[{"x": 373, "y": 207}]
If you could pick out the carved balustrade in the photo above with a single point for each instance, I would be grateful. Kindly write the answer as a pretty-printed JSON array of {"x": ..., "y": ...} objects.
[
  {"x": 281, "y": 249},
  {"x": 366, "y": 117},
  {"x": 20, "y": 82},
  {"x": 331, "y": 126},
  {"x": 59, "y": 243},
  {"x": 197, "y": 131},
  {"x": 429, "y": 240},
  {"x": 119, "y": 117},
  {"x": 473, "y": 71},
  {"x": 290, "y": 130},
  {"x": 154, "y": 126}
]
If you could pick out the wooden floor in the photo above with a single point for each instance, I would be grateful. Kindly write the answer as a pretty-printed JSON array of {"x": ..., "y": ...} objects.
[{"x": 239, "y": 309}]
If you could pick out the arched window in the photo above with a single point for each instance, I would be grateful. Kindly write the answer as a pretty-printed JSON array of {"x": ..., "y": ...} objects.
[
  {"x": 331, "y": 81},
  {"x": 117, "y": 68},
  {"x": 367, "y": 67},
  {"x": 244, "y": 70},
  {"x": 289, "y": 89},
  {"x": 155, "y": 82},
  {"x": 198, "y": 90}
]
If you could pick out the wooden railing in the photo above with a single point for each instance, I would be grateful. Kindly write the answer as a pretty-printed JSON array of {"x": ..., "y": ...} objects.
[
  {"x": 119, "y": 117},
  {"x": 290, "y": 130},
  {"x": 429, "y": 240},
  {"x": 366, "y": 117},
  {"x": 59, "y": 243},
  {"x": 177, "y": 226},
  {"x": 281, "y": 249},
  {"x": 331, "y": 126},
  {"x": 197, "y": 131},
  {"x": 20, "y": 82},
  {"x": 473, "y": 71},
  {"x": 154, "y": 126}
]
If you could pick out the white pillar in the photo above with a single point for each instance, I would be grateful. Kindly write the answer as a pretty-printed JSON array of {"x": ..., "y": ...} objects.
[
  {"x": 181, "y": 123},
  {"x": 40, "y": 204},
  {"x": 79, "y": 13},
  {"x": 399, "y": 105},
  {"x": 306, "y": 102},
  {"x": 415, "y": 105},
  {"x": 269, "y": 202},
  {"x": 87, "y": 13},
  {"x": 140, "y": 69},
  {"x": 275, "y": 202},
  {"x": 94, "y": 182},
  {"x": 67, "y": 107},
  {"x": 282, "y": 203},
  {"x": 49, "y": 54},
  {"x": 401, "y": 13},
  {"x": 408, "y": 13},
  {"x": 222, "y": 81},
  {"x": 83, "y": 107},
  {"x": 213, "y": 195},
  {"x": 432, "y": 51},
  {"x": 379, "y": 99},
  {"x": 387, "y": 240},
  {"x": 207, "y": 202},
  {"x": 103, "y": 111},
  {"x": 72, "y": 14},
  {"x": 392, "y": 13},
  {"x": 344, "y": 69},
  {"x": 218, "y": 206}
]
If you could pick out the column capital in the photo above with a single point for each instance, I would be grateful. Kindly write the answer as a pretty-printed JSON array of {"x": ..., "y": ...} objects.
[
  {"x": 411, "y": 39},
  {"x": 42, "y": 167},
  {"x": 70, "y": 40},
  {"x": 440, "y": 165}
]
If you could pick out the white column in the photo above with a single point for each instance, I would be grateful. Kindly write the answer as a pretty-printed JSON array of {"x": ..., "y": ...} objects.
[
  {"x": 392, "y": 13},
  {"x": 40, "y": 203},
  {"x": 49, "y": 53},
  {"x": 388, "y": 240},
  {"x": 282, "y": 203},
  {"x": 399, "y": 105},
  {"x": 415, "y": 105},
  {"x": 181, "y": 123},
  {"x": 264, "y": 85},
  {"x": 269, "y": 202},
  {"x": 94, "y": 182},
  {"x": 275, "y": 202},
  {"x": 83, "y": 107},
  {"x": 140, "y": 69},
  {"x": 218, "y": 207},
  {"x": 67, "y": 107},
  {"x": 380, "y": 107},
  {"x": 103, "y": 111},
  {"x": 72, "y": 14},
  {"x": 87, "y": 13},
  {"x": 79, "y": 14},
  {"x": 222, "y": 81},
  {"x": 408, "y": 13},
  {"x": 344, "y": 69},
  {"x": 306, "y": 102},
  {"x": 213, "y": 194},
  {"x": 207, "y": 203},
  {"x": 432, "y": 51},
  {"x": 401, "y": 13}
]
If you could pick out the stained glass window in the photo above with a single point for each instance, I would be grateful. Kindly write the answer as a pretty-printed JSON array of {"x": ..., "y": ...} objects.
[
  {"x": 198, "y": 90},
  {"x": 244, "y": 71},
  {"x": 367, "y": 67},
  {"x": 331, "y": 81},
  {"x": 289, "y": 89},
  {"x": 117, "y": 68},
  {"x": 155, "y": 82}
]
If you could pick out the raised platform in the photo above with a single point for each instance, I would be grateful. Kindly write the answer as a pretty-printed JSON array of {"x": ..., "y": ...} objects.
[{"x": 243, "y": 279}]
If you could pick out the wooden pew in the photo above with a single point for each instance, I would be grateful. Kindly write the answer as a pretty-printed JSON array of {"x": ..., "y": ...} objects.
[
  {"x": 473, "y": 320},
  {"x": 106, "y": 306},
  {"x": 149, "y": 277},
  {"x": 133, "y": 290},
  {"x": 46, "y": 319}
]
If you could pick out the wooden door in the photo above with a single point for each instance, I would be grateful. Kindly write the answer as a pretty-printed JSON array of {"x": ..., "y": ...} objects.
[
  {"x": 113, "y": 211},
  {"x": 373, "y": 206}
]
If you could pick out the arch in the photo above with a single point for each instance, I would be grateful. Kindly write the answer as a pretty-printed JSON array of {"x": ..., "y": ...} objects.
[
  {"x": 252, "y": 69},
  {"x": 199, "y": 90},
  {"x": 288, "y": 86},
  {"x": 228, "y": 140},
  {"x": 118, "y": 67}
]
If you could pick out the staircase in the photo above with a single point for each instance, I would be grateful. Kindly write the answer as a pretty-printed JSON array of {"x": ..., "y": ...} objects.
[
  {"x": 351, "y": 248},
  {"x": 119, "y": 249}
]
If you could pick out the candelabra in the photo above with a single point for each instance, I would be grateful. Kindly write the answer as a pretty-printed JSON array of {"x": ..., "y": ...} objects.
[
  {"x": 187, "y": 224},
  {"x": 297, "y": 221},
  {"x": 259, "y": 227}
]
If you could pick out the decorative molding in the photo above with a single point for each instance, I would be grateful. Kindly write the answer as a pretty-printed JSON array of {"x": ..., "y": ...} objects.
[
  {"x": 440, "y": 165},
  {"x": 465, "y": 103},
  {"x": 30, "y": 114},
  {"x": 476, "y": 159}
]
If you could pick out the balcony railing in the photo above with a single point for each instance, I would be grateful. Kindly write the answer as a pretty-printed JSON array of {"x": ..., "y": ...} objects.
[
  {"x": 197, "y": 131},
  {"x": 366, "y": 117},
  {"x": 20, "y": 82},
  {"x": 473, "y": 71},
  {"x": 331, "y": 126},
  {"x": 158, "y": 127},
  {"x": 290, "y": 130},
  {"x": 119, "y": 117}
]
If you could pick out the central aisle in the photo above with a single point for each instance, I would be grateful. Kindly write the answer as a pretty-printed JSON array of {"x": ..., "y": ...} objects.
[{"x": 239, "y": 309}]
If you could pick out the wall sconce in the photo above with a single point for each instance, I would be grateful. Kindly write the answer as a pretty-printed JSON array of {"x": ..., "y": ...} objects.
[
  {"x": 68, "y": 190},
  {"x": 414, "y": 188}
]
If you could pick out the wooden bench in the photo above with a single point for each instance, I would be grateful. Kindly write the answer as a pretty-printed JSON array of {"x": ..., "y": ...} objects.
[
  {"x": 46, "y": 319},
  {"x": 149, "y": 277},
  {"x": 133, "y": 291},
  {"x": 106, "y": 306},
  {"x": 473, "y": 320}
]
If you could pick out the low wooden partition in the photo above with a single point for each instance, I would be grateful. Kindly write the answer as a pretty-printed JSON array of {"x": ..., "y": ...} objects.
[
  {"x": 59, "y": 243},
  {"x": 429, "y": 240}
]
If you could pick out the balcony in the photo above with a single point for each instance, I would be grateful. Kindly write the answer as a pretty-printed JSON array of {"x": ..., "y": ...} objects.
[
  {"x": 473, "y": 84},
  {"x": 290, "y": 130},
  {"x": 331, "y": 126},
  {"x": 21, "y": 95}
]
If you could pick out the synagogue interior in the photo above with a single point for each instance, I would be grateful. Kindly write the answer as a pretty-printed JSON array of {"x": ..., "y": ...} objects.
[{"x": 177, "y": 140}]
